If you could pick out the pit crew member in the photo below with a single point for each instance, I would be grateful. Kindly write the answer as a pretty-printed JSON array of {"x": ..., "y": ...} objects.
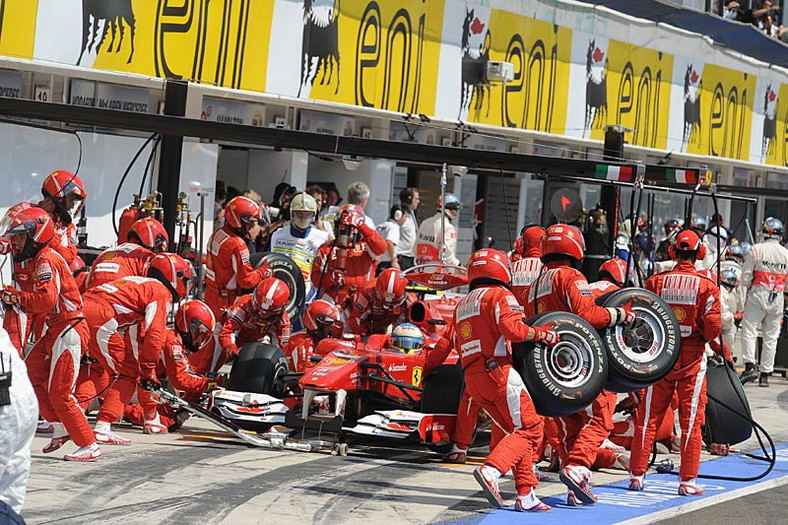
[
  {"x": 322, "y": 319},
  {"x": 528, "y": 264},
  {"x": 373, "y": 310},
  {"x": 695, "y": 300},
  {"x": 64, "y": 195},
  {"x": 428, "y": 246}
]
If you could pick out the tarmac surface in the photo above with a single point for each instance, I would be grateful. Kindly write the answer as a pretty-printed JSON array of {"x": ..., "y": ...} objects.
[{"x": 203, "y": 475}]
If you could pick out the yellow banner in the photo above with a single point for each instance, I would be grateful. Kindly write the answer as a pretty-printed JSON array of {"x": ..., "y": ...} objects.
[
  {"x": 725, "y": 118},
  {"x": 638, "y": 94},
  {"x": 218, "y": 42},
  {"x": 541, "y": 54},
  {"x": 18, "y": 28},
  {"x": 379, "y": 54}
]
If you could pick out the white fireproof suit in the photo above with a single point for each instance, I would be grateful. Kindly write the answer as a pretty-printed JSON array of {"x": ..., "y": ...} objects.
[
  {"x": 17, "y": 427},
  {"x": 764, "y": 272},
  {"x": 428, "y": 244}
]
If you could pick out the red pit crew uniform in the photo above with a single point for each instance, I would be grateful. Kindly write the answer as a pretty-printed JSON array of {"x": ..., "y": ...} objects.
[
  {"x": 113, "y": 307},
  {"x": 125, "y": 260},
  {"x": 696, "y": 302},
  {"x": 244, "y": 326},
  {"x": 53, "y": 363},
  {"x": 227, "y": 270},
  {"x": 65, "y": 240},
  {"x": 17, "y": 322},
  {"x": 525, "y": 270},
  {"x": 359, "y": 266},
  {"x": 486, "y": 320},
  {"x": 367, "y": 315},
  {"x": 764, "y": 273}
]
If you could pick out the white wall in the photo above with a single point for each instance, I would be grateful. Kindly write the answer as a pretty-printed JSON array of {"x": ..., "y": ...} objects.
[
  {"x": 267, "y": 168},
  {"x": 198, "y": 175}
]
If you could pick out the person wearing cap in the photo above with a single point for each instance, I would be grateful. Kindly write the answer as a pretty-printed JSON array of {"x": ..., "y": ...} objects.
[
  {"x": 428, "y": 247},
  {"x": 300, "y": 239}
]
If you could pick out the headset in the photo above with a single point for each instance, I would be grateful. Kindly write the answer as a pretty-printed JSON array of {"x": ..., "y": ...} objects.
[
  {"x": 396, "y": 212},
  {"x": 700, "y": 252},
  {"x": 406, "y": 195}
]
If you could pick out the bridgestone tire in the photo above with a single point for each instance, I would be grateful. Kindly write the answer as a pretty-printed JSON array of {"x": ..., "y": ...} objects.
[
  {"x": 442, "y": 394},
  {"x": 641, "y": 356},
  {"x": 257, "y": 369},
  {"x": 567, "y": 377},
  {"x": 285, "y": 269},
  {"x": 724, "y": 425}
]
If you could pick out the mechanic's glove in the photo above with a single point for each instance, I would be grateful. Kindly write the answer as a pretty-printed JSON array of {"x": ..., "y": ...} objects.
[
  {"x": 626, "y": 406},
  {"x": 265, "y": 271},
  {"x": 543, "y": 334},
  {"x": 5, "y": 247},
  {"x": 623, "y": 316},
  {"x": 9, "y": 296},
  {"x": 215, "y": 381},
  {"x": 352, "y": 219},
  {"x": 148, "y": 379},
  {"x": 338, "y": 276}
]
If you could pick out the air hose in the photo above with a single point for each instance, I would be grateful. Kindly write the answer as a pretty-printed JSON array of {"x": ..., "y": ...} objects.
[{"x": 123, "y": 179}]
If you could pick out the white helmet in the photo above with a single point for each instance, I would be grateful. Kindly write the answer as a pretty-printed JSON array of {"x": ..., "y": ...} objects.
[{"x": 303, "y": 209}]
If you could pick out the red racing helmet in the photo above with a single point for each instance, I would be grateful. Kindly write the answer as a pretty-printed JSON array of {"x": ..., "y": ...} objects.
[
  {"x": 563, "y": 239},
  {"x": 320, "y": 316},
  {"x": 270, "y": 297},
  {"x": 241, "y": 211},
  {"x": 36, "y": 224},
  {"x": 490, "y": 264},
  {"x": 149, "y": 233},
  {"x": 614, "y": 270},
  {"x": 173, "y": 271},
  {"x": 390, "y": 287},
  {"x": 61, "y": 185},
  {"x": 688, "y": 241},
  {"x": 195, "y": 322},
  {"x": 532, "y": 240}
]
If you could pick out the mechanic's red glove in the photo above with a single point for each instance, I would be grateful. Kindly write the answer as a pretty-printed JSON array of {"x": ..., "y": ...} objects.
[
  {"x": 148, "y": 379},
  {"x": 5, "y": 247},
  {"x": 9, "y": 296},
  {"x": 265, "y": 271},
  {"x": 339, "y": 278},
  {"x": 543, "y": 334},
  {"x": 352, "y": 219}
]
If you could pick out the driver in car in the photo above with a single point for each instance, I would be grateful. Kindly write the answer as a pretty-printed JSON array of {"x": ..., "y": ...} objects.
[
  {"x": 561, "y": 287},
  {"x": 256, "y": 317},
  {"x": 374, "y": 309}
]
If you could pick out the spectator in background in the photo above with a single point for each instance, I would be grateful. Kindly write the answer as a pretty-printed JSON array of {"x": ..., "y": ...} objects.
[
  {"x": 220, "y": 197},
  {"x": 730, "y": 10},
  {"x": 409, "y": 227},
  {"x": 358, "y": 194},
  {"x": 232, "y": 192},
  {"x": 390, "y": 231},
  {"x": 251, "y": 194},
  {"x": 280, "y": 206},
  {"x": 332, "y": 197},
  {"x": 319, "y": 194}
]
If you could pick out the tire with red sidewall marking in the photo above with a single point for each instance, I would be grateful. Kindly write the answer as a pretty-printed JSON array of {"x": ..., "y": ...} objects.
[
  {"x": 643, "y": 355},
  {"x": 567, "y": 377}
]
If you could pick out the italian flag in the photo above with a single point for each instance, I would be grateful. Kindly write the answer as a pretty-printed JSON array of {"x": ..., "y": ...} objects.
[
  {"x": 682, "y": 176},
  {"x": 617, "y": 173}
]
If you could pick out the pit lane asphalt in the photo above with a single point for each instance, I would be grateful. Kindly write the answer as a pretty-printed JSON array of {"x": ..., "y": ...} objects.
[{"x": 200, "y": 475}]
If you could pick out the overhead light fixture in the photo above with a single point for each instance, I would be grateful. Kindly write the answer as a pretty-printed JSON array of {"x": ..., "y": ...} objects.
[
  {"x": 352, "y": 162},
  {"x": 458, "y": 171}
]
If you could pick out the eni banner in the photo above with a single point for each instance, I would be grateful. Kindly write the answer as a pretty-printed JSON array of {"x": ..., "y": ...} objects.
[
  {"x": 615, "y": 82},
  {"x": 474, "y": 35}
]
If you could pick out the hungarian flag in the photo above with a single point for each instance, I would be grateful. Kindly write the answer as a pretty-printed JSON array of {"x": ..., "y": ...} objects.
[
  {"x": 681, "y": 176},
  {"x": 617, "y": 173}
]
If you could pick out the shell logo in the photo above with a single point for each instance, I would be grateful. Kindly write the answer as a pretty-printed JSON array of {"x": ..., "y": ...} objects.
[
  {"x": 680, "y": 314},
  {"x": 466, "y": 330}
]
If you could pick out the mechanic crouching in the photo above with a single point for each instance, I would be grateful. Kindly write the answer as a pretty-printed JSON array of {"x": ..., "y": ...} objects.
[
  {"x": 321, "y": 319},
  {"x": 374, "y": 309},
  {"x": 561, "y": 287},
  {"x": 486, "y": 321},
  {"x": 256, "y": 317}
]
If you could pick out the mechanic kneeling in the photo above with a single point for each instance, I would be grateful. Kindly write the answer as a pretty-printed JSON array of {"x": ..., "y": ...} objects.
[
  {"x": 255, "y": 317},
  {"x": 321, "y": 319},
  {"x": 374, "y": 309},
  {"x": 486, "y": 321}
]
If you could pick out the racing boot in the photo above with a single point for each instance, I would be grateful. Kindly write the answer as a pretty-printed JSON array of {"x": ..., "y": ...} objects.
[
  {"x": 636, "y": 482},
  {"x": 89, "y": 453},
  {"x": 153, "y": 425},
  {"x": 45, "y": 427},
  {"x": 530, "y": 503},
  {"x": 764, "y": 380},
  {"x": 690, "y": 488},
  {"x": 105, "y": 436},
  {"x": 576, "y": 478},
  {"x": 487, "y": 477},
  {"x": 59, "y": 438},
  {"x": 455, "y": 455},
  {"x": 540, "y": 476},
  {"x": 572, "y": 501},
  {"x": 749, "y": 374},
  {"x": 621, "y": 461}
]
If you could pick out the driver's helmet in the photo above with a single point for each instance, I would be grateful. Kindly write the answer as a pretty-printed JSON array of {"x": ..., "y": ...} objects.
[{"x": 407, "y": 338}]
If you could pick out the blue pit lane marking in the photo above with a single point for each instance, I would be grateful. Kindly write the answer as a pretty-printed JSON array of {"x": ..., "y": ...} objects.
[{"x": 618, "y": 504}]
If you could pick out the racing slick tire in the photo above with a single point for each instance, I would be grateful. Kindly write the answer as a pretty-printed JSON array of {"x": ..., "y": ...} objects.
[
  {"x": 726, "y": 404},
  {"x": 258, "y": 369},
  {"x": 640, "y": 356},
  {"x": 567, "y": 377},
  {"x": 285, "y": 268},
  {"x": 442, "y": 394}
]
